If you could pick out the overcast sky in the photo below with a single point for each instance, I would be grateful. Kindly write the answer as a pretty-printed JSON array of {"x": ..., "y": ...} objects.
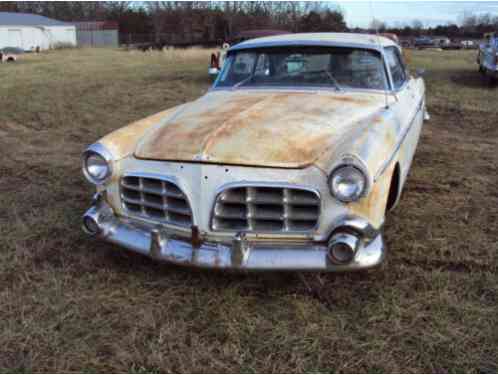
[{"x": 395, "y": 13}]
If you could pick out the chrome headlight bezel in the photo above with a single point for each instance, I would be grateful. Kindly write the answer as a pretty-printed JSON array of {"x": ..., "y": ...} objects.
[
  {"x": 100, "y": 151},
  {"x": 355, "y": 166}
]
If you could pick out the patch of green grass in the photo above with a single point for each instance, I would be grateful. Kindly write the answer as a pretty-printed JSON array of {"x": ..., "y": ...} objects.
[{"x": 69, "y": 303}]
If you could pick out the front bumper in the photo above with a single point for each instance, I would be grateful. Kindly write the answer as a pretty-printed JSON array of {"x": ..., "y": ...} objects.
[{"x": 240, "y": 254}]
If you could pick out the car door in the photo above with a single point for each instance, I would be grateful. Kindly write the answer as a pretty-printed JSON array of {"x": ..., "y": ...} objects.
[{"x": 408, "y": 109}]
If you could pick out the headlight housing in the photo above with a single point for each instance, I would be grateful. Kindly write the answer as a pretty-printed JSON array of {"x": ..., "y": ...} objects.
[
  {"x": 97, "y": 164},
  {"x": 348, "y": 183}
]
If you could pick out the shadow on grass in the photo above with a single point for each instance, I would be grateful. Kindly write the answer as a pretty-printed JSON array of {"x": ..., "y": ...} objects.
[
  {"x": 328, "y": 289},
  {"x": 471, "y": 79}
]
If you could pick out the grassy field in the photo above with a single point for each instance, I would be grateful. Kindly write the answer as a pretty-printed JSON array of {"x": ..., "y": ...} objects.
[{"x": 70, "y": 303}]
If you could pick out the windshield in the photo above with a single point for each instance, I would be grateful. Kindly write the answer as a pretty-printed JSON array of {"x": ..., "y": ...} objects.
[{"x": 329, "y": 67}]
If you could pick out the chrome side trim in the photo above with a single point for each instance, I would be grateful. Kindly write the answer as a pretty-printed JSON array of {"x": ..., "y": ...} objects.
[{"x": 386, "y": 164}]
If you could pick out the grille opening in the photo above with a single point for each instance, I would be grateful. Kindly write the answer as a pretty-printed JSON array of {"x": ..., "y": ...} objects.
[
  {"x": 155, "y": 199},
  {"x": 270, "y": 225},
  {"x": 132, "y": 181},
  {"x": 266, "y": 209},
  {"x": 231, "y": 211},
  {"x": 231, "y": 224},
  {"x": 301, "y": 225},
  {"x": 178, "y": 204},
  {"x": 303, "y": 197},
  {"x": 237, "y": 195},
  {"x": 151, "y": 184},
  {"x": 173, "y": 190},
  {"x": 155, "y": 213},
  {"x": 304, "y": 213},
  {"x": 133, "y": 207},
  {"x": 179, "y": 218},
  {"x": 263, "y": 195},
  {"x": 132, "y": 194}
]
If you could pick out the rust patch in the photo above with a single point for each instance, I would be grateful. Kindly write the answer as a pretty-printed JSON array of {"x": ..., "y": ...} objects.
[
  {"x": 185, "y": 136},
  {"x": 272, "y": 129},
  {"x": 122, "y": 142}
]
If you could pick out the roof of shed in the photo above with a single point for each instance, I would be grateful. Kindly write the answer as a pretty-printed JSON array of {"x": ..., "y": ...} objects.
[{"x": 28, "y": 19}]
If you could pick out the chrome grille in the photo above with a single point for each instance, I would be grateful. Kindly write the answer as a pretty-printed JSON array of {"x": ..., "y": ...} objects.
[
  {"x": 155, "y": 199},
  {"x": 266, "y": 209}
]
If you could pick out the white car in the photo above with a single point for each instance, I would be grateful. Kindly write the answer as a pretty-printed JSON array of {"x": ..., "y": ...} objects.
[{"x": 290, "y": 162}]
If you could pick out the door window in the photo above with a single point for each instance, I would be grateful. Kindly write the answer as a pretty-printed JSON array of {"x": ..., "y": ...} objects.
[{"x": 396, "y": 66}]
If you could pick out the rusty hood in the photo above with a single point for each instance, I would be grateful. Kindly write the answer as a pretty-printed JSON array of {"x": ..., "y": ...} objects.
[{"x": 258, "y": 128}]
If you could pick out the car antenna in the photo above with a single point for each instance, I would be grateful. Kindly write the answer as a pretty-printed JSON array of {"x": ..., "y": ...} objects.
[{"x": 376, "y": 25}]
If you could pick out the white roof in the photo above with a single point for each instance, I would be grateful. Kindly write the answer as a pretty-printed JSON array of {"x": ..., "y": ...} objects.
[{"x": 326, "y": 39}]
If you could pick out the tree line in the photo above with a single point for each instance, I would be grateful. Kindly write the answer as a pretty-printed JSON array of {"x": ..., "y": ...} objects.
[
  {"x": 219, "y": 20},
  {"x": 215, "y": 20},
  {"x": 471, "y": 26}
]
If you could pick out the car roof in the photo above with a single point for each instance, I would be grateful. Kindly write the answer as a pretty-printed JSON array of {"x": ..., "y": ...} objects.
[{"x": 370, "y": 41}]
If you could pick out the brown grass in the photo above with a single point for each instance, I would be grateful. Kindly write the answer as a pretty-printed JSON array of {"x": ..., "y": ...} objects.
[{"x": 69, "y": 303}]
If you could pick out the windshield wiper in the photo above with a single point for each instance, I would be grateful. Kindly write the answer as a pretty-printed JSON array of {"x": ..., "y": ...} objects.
[
  {"x": 330, "y": 77},
  {"x": 245, "y": 80}
]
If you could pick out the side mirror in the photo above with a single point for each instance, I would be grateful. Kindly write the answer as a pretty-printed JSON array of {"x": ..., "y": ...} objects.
[{"x": 419, "y": 73}]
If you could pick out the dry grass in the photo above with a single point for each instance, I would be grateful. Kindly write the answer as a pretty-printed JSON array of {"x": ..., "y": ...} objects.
[{"x": 69, "y": 303}]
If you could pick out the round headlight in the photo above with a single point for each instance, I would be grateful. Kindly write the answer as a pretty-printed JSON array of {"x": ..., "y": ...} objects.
[
  {"x": 96, "y": 165},
  {"x": 347, "y": 183}
]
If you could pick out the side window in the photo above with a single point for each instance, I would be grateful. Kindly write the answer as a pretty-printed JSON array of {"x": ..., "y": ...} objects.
[{"x": 396, "y": 66}]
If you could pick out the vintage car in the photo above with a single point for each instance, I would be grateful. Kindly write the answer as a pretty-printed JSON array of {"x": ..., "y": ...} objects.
[
  {"x": 289, "y": 162},
  {"x": 487, "y": 57}
]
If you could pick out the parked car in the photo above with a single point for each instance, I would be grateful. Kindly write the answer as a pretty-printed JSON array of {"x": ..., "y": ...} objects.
[
  {"x": 487, "y": 58},
  {"x": 289, "y": 162},
  {"x": 468, "y": 44},
  {"x": 10, "y": 54},
  {"x": 423, "y": 42}
]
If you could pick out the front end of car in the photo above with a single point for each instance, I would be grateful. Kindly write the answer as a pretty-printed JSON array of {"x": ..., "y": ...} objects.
[{"x": 234, "y": 217}]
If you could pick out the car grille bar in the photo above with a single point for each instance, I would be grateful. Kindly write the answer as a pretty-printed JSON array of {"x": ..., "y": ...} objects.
[
  {"x": 156, "y": 199},
  {"x": 266, "y": 209}
]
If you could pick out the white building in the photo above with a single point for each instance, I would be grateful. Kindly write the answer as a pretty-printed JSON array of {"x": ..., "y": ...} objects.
[{"x": 31, "y": 31}]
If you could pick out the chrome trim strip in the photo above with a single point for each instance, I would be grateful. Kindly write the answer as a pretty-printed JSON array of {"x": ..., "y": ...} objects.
[{"x": 386, "y": 164}]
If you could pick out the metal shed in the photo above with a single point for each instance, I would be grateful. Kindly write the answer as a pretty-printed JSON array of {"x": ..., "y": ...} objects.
[
  {"x": 97, "y": 33},
  {"x": 31, "y": 31}
]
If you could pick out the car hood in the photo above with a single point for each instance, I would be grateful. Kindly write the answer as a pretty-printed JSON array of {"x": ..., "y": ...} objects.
[{"x": 258, "y": 128}]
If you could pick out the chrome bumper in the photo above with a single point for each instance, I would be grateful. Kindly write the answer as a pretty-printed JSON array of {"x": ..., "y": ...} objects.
[{"x": 240, "y": 254}]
